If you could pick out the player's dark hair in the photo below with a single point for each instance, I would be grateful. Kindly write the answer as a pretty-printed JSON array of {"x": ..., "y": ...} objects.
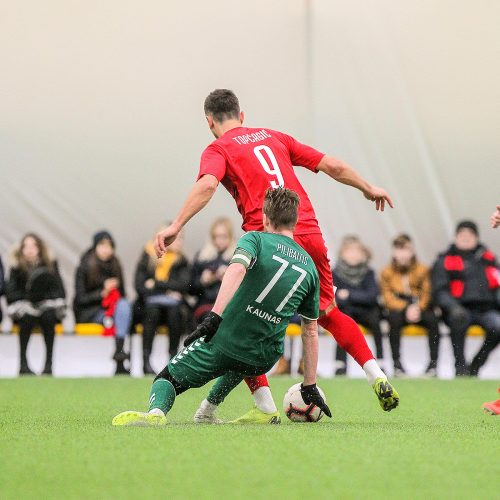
[
  {"x": 222, "y": 105},
  {"x": 281, "y": 205}
]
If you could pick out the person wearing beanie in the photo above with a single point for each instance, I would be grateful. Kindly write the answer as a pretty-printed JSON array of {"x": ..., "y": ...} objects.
[
  {"x": 466, "y": 286},
  {"x": 100, "y": 294}
]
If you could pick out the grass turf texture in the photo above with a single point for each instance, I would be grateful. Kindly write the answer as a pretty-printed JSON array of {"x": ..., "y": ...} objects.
[{"x": 56, "y": 441}]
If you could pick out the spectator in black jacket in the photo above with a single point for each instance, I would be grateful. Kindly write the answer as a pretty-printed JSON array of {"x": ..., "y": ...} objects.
[
  {"x": 465, "y": 282},
  {"x": 161, "y": 285},
  {"x": 357, "y": 293},
  {"x": 100, "y": 294},
  {"x": 210, "y": 264},
  {"x": 35, "y": 294}
]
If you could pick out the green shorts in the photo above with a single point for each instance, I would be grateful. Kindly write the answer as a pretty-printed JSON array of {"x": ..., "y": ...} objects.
[{"x": 201, "y": 362}]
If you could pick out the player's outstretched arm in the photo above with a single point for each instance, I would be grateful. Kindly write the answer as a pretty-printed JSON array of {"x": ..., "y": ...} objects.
[
  {"x": 345, "y": 174},
  {"x": 200, "y": 195},
  {"x": 310, "y": 344},
  {"x": 495, "y": 218},
  {"x": 308, "y": 389}
]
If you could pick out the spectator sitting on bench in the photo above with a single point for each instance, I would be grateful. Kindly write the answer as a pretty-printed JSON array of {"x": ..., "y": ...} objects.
[
  {"x": 209, "y": 266},
  {"x": 357, "y": 294},
  {"x": 35, "y": 294},
  {"x": 406, "y": 293},
  {"x": 160, "y": 285},
  {"x": 466, "y": 286},
  {"x": 100, "y": 294}
]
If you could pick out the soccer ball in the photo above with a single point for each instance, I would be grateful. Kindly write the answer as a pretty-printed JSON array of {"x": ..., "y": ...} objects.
[{"x": 298, "y": 411}]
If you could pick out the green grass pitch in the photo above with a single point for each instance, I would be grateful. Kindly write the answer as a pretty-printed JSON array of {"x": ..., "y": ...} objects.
[{"x": 56, "y": 441}]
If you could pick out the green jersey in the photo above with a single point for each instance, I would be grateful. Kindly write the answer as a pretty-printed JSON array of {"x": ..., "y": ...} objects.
[{"x": 281, "y": 280}]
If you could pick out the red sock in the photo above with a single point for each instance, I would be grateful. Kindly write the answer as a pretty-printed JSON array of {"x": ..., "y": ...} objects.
[
  {"x": 255, "y": 383},
  {"x": 347, "y": 334}
]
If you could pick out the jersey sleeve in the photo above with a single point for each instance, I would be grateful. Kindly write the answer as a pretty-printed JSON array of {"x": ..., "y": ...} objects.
[
  {"x": 309, "y": 309},
  {"x": 212, "y": 162},
  {"x": 247, "y": 249},
  {"x": 302, "y": 155}
]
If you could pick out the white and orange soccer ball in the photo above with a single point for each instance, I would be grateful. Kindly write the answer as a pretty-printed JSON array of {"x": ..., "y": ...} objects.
[{"x": 298, "y": 411}]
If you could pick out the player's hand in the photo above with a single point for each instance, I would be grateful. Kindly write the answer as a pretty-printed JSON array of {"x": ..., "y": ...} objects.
[
  {"x": 379, "y": 196},
  {"x": 207, "y": 328},
  {"x": 164, "y": 238},
  {"x": 310, "y": 394},
  {"x": 110, "y": 284},
  {"x": 495, "y": 218}
]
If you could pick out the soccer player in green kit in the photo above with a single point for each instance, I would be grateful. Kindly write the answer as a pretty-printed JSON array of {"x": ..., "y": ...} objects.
[{"x": 269, "y": 278}]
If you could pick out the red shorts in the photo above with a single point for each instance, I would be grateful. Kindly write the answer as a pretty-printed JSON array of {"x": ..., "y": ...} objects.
[{"x": 314, "y": 245}]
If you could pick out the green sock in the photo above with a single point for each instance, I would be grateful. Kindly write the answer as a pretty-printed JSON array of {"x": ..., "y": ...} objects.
[{"x": 162, "y": 395}]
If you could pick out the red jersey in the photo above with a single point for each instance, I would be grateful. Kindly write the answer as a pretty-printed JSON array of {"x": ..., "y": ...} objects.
[{"x": 247, "y": 161}]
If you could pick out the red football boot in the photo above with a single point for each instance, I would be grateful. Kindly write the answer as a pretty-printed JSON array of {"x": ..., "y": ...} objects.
[{"x": 492, "y": 408}]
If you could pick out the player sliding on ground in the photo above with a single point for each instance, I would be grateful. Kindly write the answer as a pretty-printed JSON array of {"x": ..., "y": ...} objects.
[
  {"x": 268, "y": 280},
  {"x": 249, "y": 160}
]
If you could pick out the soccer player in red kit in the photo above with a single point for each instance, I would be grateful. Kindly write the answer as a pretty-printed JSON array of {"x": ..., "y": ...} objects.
[{"x": 247, "y": 161}]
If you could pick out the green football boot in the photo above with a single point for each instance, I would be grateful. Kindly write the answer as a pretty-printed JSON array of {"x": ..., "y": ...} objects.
[
  {"x": 139, "y": 419},
  {"x": 256, "y": 416},
  {"x": 386, "y": 394}
]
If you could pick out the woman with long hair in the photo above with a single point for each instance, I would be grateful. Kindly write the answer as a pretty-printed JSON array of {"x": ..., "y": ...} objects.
[
  {"x": 210, "y": 264},
  {"x": 100, "y": 294},
  {"x": 35, "y": 294}
]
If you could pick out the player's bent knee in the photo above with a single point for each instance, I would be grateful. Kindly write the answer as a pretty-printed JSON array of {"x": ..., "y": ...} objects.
[{"x": 165, "y": 374}]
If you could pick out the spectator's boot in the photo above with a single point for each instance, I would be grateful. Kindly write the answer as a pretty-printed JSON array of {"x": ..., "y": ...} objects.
[
  {"x": 48, "y": 368},
  {"x": 283, "y": 367},
  {"x": 462, "y": 370},
  {"x": 120, "y": 369},
  {"x": 120, "y": 356},
  {"x": 493, "y": 408},
  {"x": 341, "y": 369},
  {"x": 146, "y": 365},
  {"x": 147, "y": 347},
  {"x": 399, "y": 371},
  {"x": 24, "y": 369},
  {"x": 431, "y": 370}
]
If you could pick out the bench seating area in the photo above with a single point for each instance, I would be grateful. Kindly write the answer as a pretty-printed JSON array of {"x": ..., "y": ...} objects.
[
  {"x": 409, "y": 331},
  {"x": 292, "y": 330}
]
